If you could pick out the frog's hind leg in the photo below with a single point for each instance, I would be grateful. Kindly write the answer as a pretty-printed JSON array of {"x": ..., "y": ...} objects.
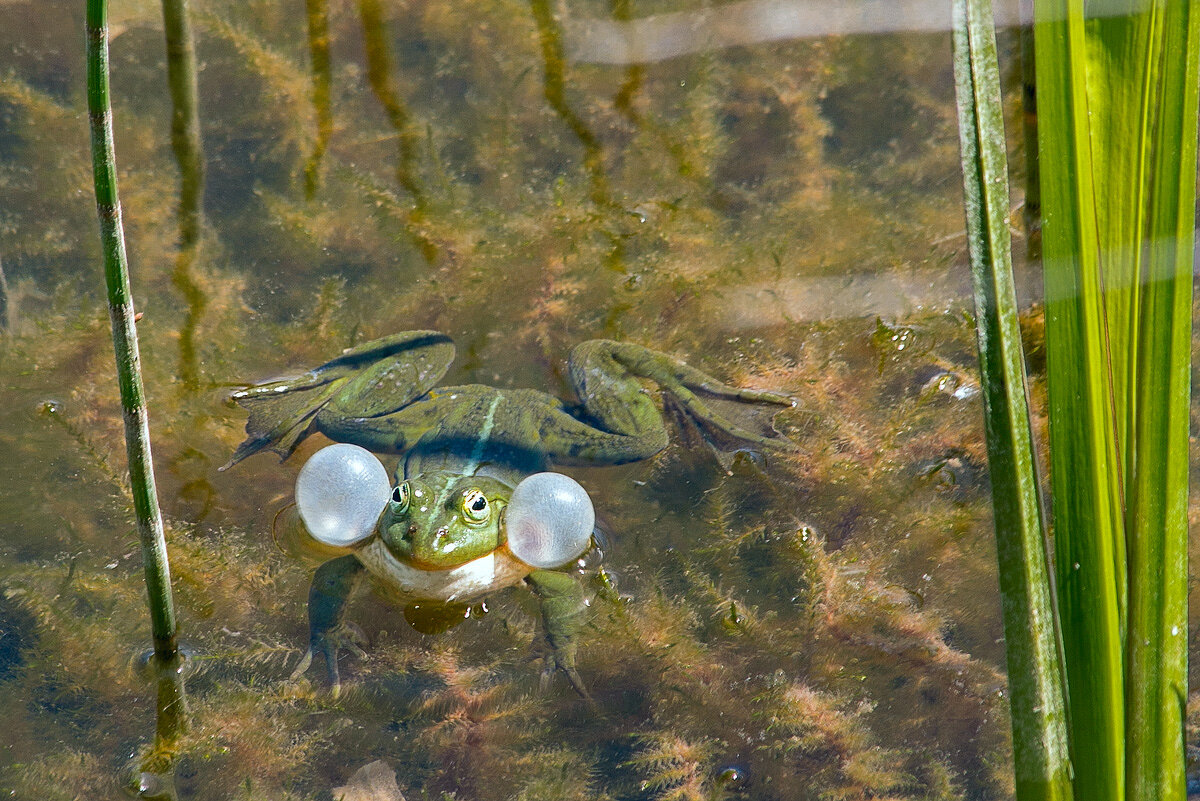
[
  {"x": 728, "y": 418},
  {"x": 366, "y": 381}
]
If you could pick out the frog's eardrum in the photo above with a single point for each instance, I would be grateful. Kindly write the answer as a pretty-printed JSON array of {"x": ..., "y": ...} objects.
[
  {"x": 549, "y": 520},
  {"x": 340, "y": 492}
]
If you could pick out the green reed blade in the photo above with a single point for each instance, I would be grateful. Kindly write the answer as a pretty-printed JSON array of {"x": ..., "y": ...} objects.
[
  {"x": 1156, "y": 646},
  {"x": 120, "y": 308},
  {"x": 1115, "y": 80},
  {"x": 1117, "y": 102},
  {"x": 1088, "y": 525},
  {"x": 1040, "y": 753}
]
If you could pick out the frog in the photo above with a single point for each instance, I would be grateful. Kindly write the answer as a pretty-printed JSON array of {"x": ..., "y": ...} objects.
[{"x": 440, "y": 542}]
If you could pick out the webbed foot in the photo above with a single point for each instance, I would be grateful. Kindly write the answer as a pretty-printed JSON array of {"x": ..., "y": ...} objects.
[
  {"x": 728, "y": 418},
  {"x": 559, "y": 660}
]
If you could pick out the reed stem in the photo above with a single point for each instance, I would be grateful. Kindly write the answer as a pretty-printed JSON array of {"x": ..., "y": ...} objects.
[
  {"x": 124, "y": 330},
  {"x": 1035, "y": 684}
]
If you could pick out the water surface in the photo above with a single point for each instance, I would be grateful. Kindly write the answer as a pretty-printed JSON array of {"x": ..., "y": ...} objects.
[{"x": 784, "y": 214}]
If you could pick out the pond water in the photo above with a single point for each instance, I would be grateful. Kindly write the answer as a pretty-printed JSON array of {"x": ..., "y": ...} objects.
[{"x": 786, "y": 215}]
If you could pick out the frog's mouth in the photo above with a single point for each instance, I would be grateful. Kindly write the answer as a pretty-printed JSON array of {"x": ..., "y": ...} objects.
[
  {"x": 459, "y": 583},
  {"x": 420, "y": 564},
  {"x": 440, "y": 543}
]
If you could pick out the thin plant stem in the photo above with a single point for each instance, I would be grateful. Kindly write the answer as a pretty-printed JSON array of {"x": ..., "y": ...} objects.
[
  {"x": 8, "y": 322},
  {"x": 121, "y": 313}
]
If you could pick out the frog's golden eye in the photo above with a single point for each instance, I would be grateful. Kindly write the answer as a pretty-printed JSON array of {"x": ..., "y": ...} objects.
[
  {"x": 400, "y": 496},
  {"x": 475, "y": 506}
]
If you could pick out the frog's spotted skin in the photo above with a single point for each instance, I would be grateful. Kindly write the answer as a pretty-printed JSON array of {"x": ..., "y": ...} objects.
[{"x": 441, "y": 537}]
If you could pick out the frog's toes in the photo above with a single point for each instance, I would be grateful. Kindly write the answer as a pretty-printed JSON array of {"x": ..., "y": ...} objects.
[
  {"x": 353, "y": 638},
  {"x": 302, "y": 666},
  {"x": 554, "y": 662},
  {"x": 328, "y": 644},
  {"x": 552, "y": 666}
]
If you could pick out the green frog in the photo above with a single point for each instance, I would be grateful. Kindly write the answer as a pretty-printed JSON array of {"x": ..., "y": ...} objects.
[{"x": 441, "y": 539}]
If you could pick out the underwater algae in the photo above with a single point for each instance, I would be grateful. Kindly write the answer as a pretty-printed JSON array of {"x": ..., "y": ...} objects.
[
  {"x": 812, "y": 627},
  {"x": 739, "y": 659}
]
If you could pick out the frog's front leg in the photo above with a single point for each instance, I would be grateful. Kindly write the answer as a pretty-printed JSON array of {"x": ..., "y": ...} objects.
[
  {"x": 564, "y": 612},
  {"x": 332, "y": 586}
]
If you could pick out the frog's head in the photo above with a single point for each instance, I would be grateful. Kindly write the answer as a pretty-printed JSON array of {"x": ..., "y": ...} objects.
[{"x": 440, "y": 520}]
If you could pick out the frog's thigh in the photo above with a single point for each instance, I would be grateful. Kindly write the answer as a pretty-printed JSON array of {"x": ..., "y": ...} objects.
[
  {"x": 389, "y": 433},
  {"x": 399, "y": 376},
  {"x": 613, "y": 393}
]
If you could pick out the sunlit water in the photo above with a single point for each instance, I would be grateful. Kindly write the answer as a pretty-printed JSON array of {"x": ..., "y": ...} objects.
[{"x": 784, "y": 215}]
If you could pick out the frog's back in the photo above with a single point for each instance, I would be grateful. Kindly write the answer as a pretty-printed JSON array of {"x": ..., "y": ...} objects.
[{"x": 479, "y": 429}]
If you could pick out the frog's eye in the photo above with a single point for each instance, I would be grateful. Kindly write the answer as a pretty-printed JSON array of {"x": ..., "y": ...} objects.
[
  {"x": 475, "y": 506},
  {"x": 400, "y": 496}
]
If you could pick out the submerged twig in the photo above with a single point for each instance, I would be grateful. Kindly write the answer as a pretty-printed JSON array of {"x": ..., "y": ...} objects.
[{"x": 322, "y": 83}]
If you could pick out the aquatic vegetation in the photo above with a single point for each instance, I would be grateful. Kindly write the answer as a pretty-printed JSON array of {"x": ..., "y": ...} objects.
[
  {"x": 1097, "y": 655},
  {"x": 64, "y": 775}
]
